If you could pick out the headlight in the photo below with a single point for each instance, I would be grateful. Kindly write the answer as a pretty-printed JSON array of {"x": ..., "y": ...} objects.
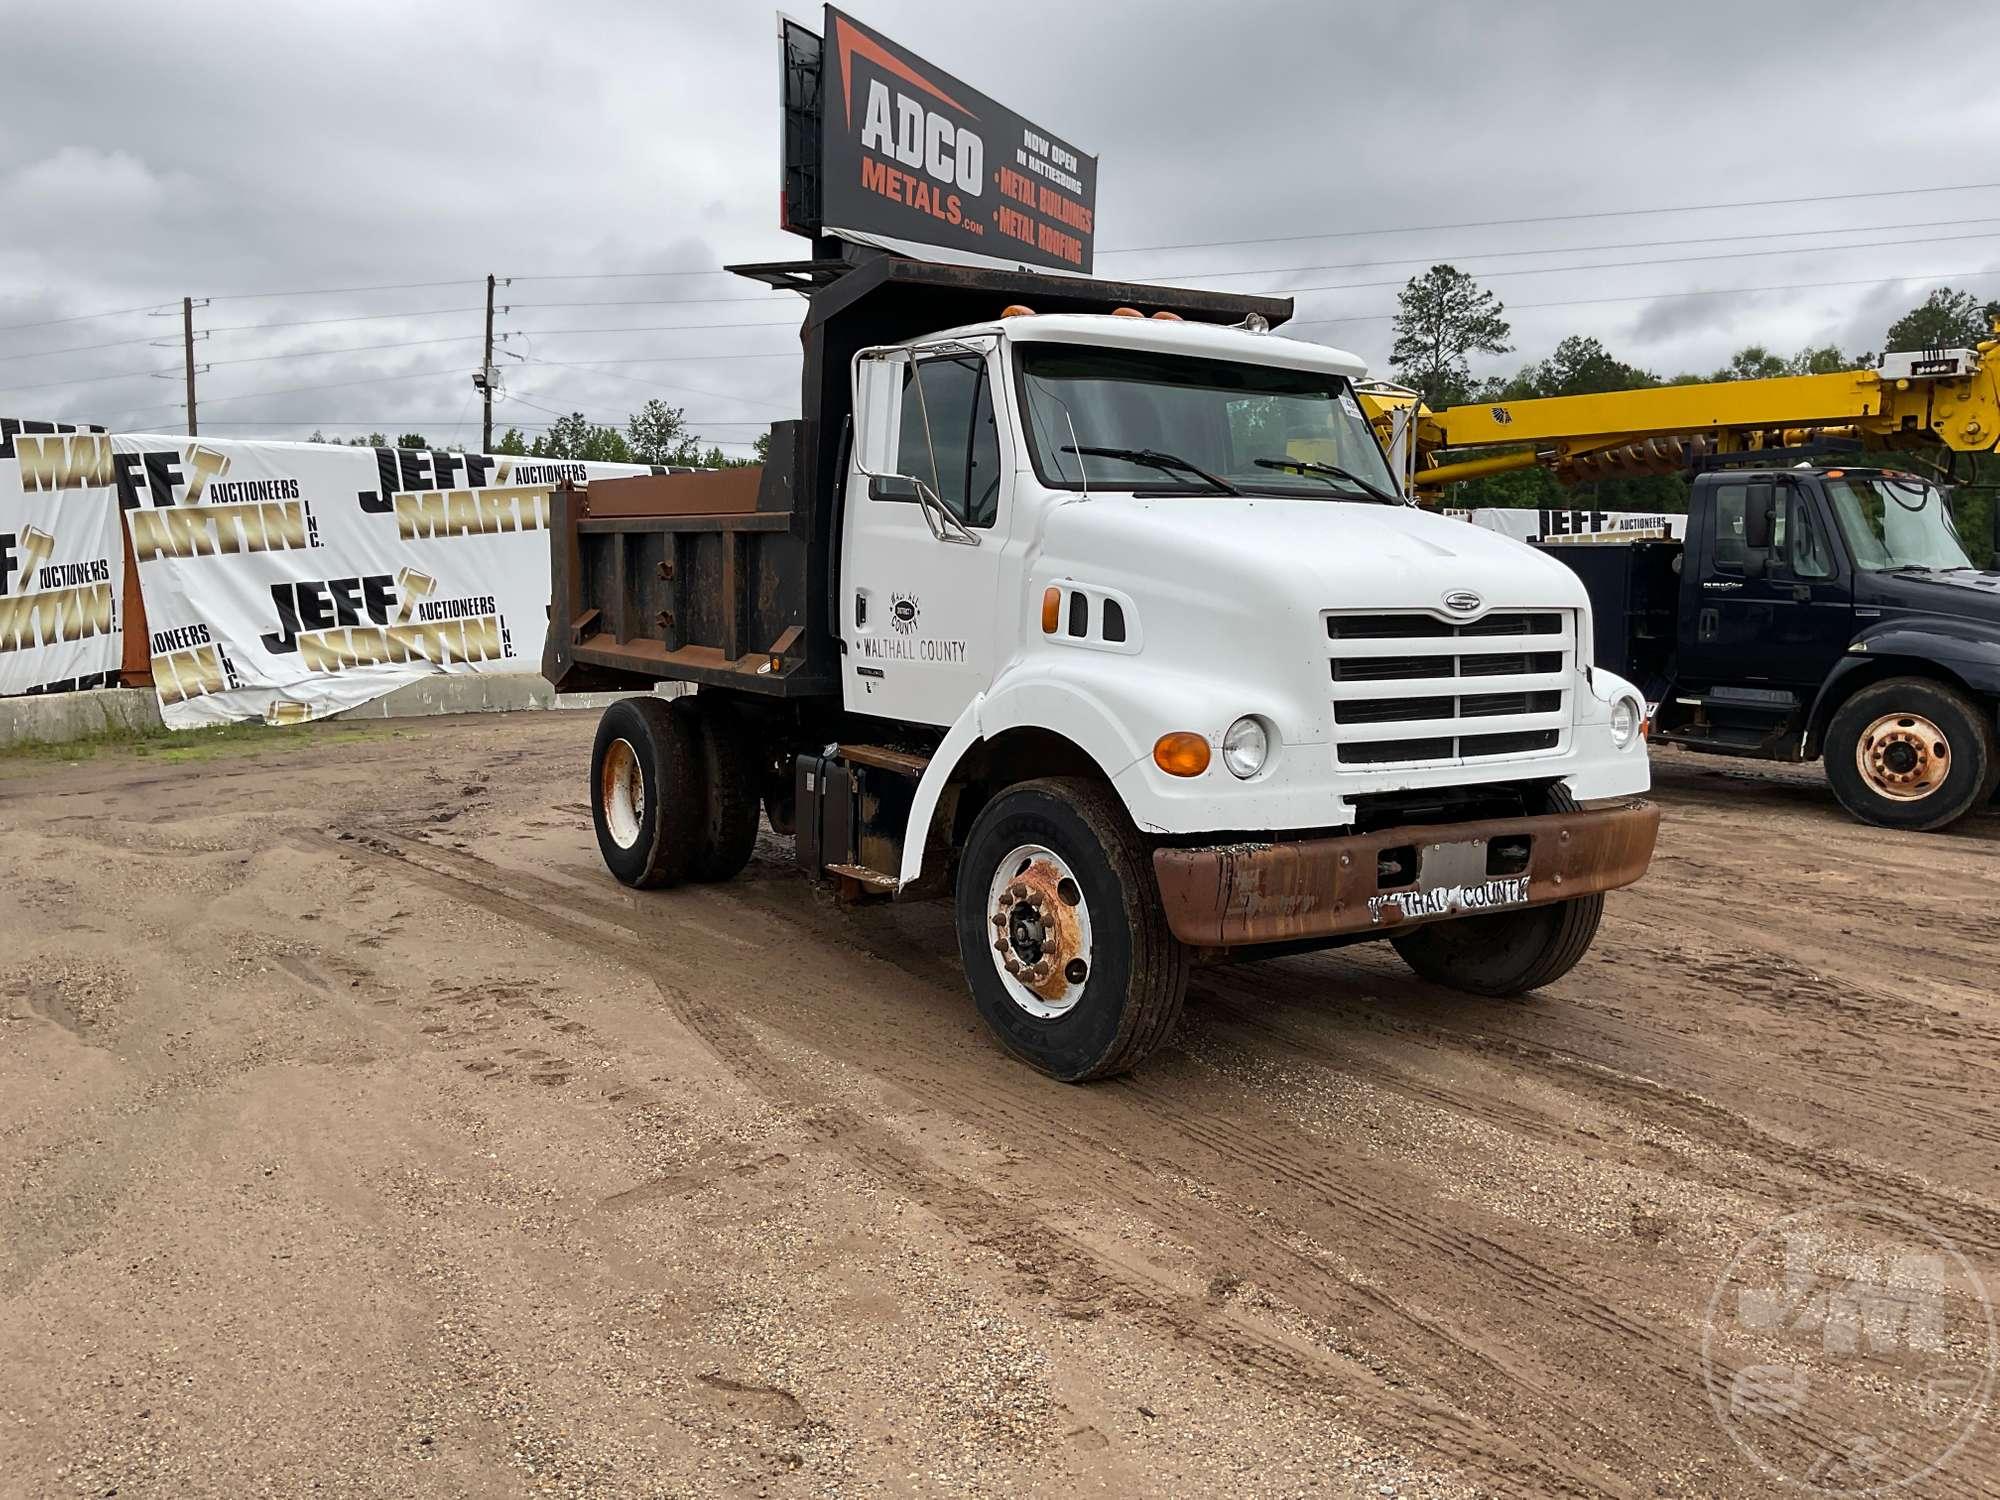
[
  {"x": 1625, "y": 721},
  {"x": 1245, "y": 747}
]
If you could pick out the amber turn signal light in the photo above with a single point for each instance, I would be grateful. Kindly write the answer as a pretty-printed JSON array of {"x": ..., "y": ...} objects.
[
  {"x": 1181, "y": 753},
  {"x": 1051, "y": 609},
  {"x": 1017, "y": 310}
]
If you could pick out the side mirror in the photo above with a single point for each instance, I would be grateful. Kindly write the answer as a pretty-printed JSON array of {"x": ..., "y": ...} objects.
[
  {"x": 893, "y": 487},
  {"x": 1760, "y": 516},
  {"x": 878, "y": 409}
]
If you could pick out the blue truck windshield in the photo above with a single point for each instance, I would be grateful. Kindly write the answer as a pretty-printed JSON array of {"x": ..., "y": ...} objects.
[{"x": 1895, "y": 521}]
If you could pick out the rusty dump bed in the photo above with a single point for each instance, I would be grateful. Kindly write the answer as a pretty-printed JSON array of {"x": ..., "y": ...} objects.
[
  {"x": 1245, "y": 895},
  {"x": 694, "y": 577}
]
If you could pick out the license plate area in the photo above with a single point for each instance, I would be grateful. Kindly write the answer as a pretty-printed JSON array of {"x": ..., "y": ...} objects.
[{"x": 1459, "y": 878}]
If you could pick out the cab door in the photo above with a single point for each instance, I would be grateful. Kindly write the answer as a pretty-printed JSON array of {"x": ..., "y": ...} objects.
[
  {"x": 920, "y": 544},
  {"x": 1779, "y": 613}
]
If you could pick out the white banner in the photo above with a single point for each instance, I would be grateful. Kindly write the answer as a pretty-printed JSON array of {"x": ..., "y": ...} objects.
[
  {"x": 62, "y": 575},
  {"x": 1576, "y": 525},
  {"x": 288, "y": 581}
]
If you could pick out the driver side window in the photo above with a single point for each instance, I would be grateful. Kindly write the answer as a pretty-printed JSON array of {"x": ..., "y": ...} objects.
[{"x": 957, "y": 452}]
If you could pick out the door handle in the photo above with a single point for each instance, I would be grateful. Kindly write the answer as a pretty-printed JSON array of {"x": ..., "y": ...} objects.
[
  {"x": 860, "y": 608},
  {"x": 1801, "y": 593},
  {"x": 1707, "y": 625}
]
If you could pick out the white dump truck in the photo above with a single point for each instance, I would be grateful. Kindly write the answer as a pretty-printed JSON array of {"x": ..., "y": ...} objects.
[{"x": 1096, "y": 609}]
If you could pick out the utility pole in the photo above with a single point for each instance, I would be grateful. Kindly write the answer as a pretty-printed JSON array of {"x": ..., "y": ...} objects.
[
  {"x": 187, "y": 338},
  {"x": 485, "y": 376}
]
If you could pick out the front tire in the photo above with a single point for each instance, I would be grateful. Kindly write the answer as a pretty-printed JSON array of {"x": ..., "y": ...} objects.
[
  {"x": 1507, "y": 954},
  {"x": 1061, "y": 933},
  {"x": 1510, "y": 953},
  {"x": 1911, "y": 753}
]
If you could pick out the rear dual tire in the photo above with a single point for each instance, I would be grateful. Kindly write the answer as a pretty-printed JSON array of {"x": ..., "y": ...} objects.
[{"x": 673, "y": 795}]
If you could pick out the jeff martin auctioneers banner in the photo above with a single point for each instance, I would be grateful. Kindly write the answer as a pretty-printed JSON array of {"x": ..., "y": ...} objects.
[
  {"x": 288, "y": 581},
  {"x": 62, "y": 574}
]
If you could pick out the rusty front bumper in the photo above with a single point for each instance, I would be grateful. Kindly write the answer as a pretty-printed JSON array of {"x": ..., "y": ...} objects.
[{"x": 1244, "y": 894}]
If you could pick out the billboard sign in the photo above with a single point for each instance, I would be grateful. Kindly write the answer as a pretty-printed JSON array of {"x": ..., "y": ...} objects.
[{"x": 911, "y": 156}]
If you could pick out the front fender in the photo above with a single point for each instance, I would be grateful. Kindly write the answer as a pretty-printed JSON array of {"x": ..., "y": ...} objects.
[
  {"x": 1114, "y": 709},
  {"x": 1961, "y": 650}
]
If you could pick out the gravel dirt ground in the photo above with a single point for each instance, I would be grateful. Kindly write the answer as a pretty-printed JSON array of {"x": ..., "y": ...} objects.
[{"x": 360, "y": 1136}]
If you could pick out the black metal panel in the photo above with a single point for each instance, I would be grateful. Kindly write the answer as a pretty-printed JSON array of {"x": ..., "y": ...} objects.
[{"x": 809, "y": 780}]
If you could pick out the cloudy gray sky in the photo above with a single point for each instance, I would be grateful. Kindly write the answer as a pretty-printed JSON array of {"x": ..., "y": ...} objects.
[{"x": 268, "y": 155}]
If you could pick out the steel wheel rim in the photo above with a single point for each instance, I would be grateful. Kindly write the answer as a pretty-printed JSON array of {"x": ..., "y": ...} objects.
[
  {"x": 1903, "y": 757},
  {"x": 1038, "y": 928},
  {"x": 622, "y": 793}
]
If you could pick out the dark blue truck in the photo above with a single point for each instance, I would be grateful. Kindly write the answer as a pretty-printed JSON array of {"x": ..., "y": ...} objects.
[{"x": 1815, "y": 612}]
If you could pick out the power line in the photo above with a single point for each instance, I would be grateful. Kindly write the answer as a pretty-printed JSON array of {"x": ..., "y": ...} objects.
[
  {"x": 1608, "y": 213},
  {"x": 297, "y": 390},
  {"x": 431, "y": 312},
  {"x": 662, "y": 327},
  {"x": 616, "y": 275},
  {"x": 338, "y": 291},
  {"x": 257, "y": 359},
  {"x": 660, "y": 385},
  {"x": 50, "y": 385},
  {"x": 77, "y": 349},
  {"x": 1727, "y": 291},
  {"x": 121, "y": 312},
  {"x": 1662, "y": 260},
  {"x": 1713, "y": 239}
]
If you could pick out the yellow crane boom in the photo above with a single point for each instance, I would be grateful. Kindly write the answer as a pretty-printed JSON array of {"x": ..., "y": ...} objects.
[{"x": 1932, "y": 397}]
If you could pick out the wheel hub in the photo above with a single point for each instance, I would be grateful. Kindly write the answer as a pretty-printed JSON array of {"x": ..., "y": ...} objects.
[
  {"x": 1904, "y": 757},
  {"x": 622, "y": 793},
  {"x": 1041, "y": 931}
]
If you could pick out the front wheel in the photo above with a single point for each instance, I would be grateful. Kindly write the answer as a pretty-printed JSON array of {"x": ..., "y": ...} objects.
[
  {"x": 1911, "y": 753},
  {"x": 1061, "y": 932},
  {"x": 1506, "y": 954}
]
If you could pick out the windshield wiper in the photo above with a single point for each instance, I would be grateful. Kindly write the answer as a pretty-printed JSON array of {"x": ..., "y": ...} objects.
[
  {"x": 1323, "y": 471},
  {"x": 1152, "y": 458}
]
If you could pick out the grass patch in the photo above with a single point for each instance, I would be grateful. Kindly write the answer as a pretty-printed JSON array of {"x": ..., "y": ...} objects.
[{"x": 178, "y": 746}]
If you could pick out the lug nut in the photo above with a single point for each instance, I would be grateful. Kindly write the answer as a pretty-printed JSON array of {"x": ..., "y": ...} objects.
[{"x": 1018, "y": 890}]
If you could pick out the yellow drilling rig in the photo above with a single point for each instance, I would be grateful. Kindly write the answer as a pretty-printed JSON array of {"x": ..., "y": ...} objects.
[{"x": 1947, "y": 398}]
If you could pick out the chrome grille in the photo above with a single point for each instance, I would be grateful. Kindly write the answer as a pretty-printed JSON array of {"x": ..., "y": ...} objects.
[{"x": 1416, "y": 689}]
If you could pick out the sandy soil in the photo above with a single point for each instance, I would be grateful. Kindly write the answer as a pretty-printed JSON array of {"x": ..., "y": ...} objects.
[{"x": 359, "y": 1136}]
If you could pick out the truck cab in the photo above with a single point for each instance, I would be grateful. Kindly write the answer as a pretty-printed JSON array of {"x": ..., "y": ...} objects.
[
  {"x": 1830, "y": 611},
  {"x": 1100, "y": 612}
]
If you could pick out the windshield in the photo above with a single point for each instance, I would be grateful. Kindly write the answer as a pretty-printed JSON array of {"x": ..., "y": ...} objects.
[
  {"x": 1895, "y": 521},
  {"x": 1216, "y": 415}
]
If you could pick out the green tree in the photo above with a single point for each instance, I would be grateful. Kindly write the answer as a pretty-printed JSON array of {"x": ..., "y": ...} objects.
[
  {"x": 1944, "y": 320},
  {"x": 763, "y": 446},
  {"x": 1753, "y": 363},
  {"x": 1580, "y": 366},
  {"x": 413, "y": 440},
  {"x": 1823, "y": 359},
  {"x": 576, "y": 436},
  {"x": 657, "y": 434},
  {"x": 1442, "y": 318},
  {"x": 512, "y": 442}
]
